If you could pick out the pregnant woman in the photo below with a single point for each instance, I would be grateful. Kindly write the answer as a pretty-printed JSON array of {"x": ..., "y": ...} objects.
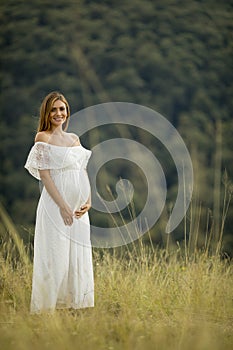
[{"x": 62, "y": 268}]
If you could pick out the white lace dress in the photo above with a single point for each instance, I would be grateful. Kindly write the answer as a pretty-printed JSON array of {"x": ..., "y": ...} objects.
[{"x": 62, "y": 268}]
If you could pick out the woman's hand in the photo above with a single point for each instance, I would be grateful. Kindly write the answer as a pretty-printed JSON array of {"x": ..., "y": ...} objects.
[
  {"x": 84, "y": 208},
  {"x": 67, "y": 215}
]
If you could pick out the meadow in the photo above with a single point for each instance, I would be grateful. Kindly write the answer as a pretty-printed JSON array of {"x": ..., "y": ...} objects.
[{"x": 145, "y": 298}]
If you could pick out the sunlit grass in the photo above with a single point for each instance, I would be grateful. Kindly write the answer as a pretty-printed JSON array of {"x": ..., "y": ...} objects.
[{"x": 144, "y": 299}]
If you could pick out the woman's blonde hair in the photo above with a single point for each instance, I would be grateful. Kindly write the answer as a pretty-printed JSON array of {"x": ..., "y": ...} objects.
[{"x": 45, "y": 109}]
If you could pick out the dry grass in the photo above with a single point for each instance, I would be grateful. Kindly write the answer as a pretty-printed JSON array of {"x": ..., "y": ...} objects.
[{"x": 145, "y": 299}]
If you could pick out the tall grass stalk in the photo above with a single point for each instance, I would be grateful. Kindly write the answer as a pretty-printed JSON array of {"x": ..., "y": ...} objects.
[
  {"x": 12, "y": 231},
  {"x": 228, "y": 189}
]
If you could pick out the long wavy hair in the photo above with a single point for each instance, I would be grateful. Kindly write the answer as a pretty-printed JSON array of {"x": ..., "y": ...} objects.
[{"x": 46, "y": 107}]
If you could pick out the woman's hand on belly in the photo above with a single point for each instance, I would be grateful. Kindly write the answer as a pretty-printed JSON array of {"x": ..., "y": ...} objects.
[{"x": 84, "y": 208}]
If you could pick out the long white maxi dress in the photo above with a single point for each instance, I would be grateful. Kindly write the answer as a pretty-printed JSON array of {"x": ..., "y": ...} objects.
[{"x": 62, "y": 268}]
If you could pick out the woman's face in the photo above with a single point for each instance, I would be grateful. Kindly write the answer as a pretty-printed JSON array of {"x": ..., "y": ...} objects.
[{"x": 58, "y": 113}]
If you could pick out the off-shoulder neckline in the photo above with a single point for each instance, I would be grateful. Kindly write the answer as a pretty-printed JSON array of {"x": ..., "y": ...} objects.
[{"x": 50, "y": 144}]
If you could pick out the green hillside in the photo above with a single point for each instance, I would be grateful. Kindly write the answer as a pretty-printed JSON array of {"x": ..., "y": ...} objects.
[{"x": 174, "y": 56}]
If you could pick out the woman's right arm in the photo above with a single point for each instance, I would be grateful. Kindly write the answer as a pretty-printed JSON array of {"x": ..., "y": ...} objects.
[{"x": 51, "y": 188}]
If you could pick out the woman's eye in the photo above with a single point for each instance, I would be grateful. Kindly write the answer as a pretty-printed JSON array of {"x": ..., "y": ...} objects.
[{"x": 54, "y": 109}]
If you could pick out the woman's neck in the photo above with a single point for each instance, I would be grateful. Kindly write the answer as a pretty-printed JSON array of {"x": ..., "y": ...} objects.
[{"x": 57, "y": 131}]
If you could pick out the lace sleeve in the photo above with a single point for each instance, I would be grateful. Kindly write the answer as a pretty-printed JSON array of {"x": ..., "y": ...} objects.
[
  {"x": 86, "y": 159},
  {"x": 38, "y": 159}
]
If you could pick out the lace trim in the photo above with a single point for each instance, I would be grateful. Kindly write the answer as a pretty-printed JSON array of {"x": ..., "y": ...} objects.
[
  {"x": 42, "y": 157},
  {"x": 38, "y": 159}
]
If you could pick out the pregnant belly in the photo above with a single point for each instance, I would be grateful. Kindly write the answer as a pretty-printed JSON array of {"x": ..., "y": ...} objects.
[{"x": 74, "y": 187}]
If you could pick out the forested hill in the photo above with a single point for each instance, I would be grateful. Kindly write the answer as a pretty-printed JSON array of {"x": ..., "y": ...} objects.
[{"x": 174, "y": 56}]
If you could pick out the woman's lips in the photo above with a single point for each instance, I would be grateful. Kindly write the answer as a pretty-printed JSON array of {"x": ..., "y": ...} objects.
[{"x": 58, "y": 119}]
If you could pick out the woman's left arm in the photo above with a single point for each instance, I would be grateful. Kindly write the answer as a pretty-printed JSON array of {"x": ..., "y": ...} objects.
[{"x": 84, "y": 208}]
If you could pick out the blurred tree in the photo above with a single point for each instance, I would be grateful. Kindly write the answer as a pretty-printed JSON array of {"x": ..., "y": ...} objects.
[{"x": 173, "y": 56}]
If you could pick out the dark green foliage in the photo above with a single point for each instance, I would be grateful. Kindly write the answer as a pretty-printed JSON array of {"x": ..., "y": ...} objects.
[{"x": 173, "y": 56}]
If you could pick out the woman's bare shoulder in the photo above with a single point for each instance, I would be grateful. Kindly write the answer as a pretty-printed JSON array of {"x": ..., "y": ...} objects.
[
  {"x": 42, "y": 136},
  {"x": 75, "y": 138}
]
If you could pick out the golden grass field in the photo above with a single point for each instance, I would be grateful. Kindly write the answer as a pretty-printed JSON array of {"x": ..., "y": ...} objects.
[{"x": 144, "y": 299}]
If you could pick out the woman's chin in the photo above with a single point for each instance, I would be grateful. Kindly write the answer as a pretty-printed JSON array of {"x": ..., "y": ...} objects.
[{"x": 57, "y": 123}]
